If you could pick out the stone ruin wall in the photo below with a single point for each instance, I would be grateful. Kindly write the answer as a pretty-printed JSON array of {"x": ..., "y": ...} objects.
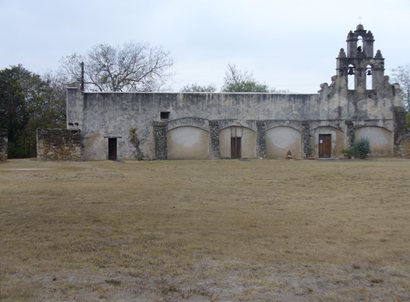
[
  {"x": 59, "y": 144},
  {"x": 102, "y": 115},
  {"x": 402, "y": 133},
  {"x": 404, "y": 147},
  {"x": 3, "y": 145}
]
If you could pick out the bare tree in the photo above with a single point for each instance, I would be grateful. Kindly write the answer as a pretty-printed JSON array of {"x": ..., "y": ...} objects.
[
  {"x": 401, "y": 75},
  {"x": 233, "y": 75},
  {"x": 57, "y": 83},
  {"x": 131, "y": 67},
  {"x": 241, "y": 81}
]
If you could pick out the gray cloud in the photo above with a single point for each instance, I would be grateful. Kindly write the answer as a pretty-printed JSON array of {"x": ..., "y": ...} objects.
[{"x": 286, "y": 44}]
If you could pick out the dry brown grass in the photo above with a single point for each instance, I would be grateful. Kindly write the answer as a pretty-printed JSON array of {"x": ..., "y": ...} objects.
[{"x": 205, "y": 231}]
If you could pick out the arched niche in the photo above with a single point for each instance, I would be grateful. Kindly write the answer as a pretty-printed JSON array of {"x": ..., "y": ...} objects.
[
  {"x": 351, "y": 77},
  {"x": 380, "y": 140},
  {"x": 280, "y": 140},
  {"x": 237, "y": 142},
  {"x": 328, "y": 135},
  {"x": 187, "y": 142},
  {"x": 369, "y": 77},
  {"x": 359, "y": 44}
]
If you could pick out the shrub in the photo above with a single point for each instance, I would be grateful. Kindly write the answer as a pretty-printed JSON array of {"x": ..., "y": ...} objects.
[
  {"x": 360, "y": 148},
  {"x": 347, "y": 153},
  {"x": 16, "y": 151}
]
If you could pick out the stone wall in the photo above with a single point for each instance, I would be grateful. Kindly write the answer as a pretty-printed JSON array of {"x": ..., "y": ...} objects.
[
  {"x": 154, "y": 115},
  {"x": 59, "y": 144},
  {"x": 404, "y": 147},
  {"x": 3, "y": 144},
  {"x": 189, "y": 109},
  {"x": 100, "y": 115}
]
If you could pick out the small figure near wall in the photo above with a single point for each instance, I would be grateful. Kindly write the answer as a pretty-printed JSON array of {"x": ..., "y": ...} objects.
[{"x": 289, "y": 155}]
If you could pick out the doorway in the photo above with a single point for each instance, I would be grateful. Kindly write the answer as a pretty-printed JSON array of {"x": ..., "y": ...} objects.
[
  {"x": 325, "y": 145},
  {"x": 112, "y": 148},
  {"x": 236, "y": 143}
]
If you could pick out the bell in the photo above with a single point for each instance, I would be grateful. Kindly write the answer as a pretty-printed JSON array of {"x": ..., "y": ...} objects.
[
  {"x": 369, "y": 72},
  {"x": 350, "y": 70}
]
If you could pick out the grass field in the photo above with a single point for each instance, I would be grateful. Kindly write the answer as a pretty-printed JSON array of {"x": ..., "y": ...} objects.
[{"x": 259, "y": 230}]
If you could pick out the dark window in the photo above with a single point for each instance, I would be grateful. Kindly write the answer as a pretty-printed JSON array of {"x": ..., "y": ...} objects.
[{"x": 164, "y": 115}]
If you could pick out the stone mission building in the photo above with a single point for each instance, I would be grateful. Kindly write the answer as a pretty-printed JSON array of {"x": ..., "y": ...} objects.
[{"x": 358, "y": 103}]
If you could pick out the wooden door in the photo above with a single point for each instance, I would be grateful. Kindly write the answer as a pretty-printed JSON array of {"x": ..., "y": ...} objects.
[
  {"x": 325, "y": 145},
  {"x": 235, "y": 147},
  {"x": 112, "y": 148}
]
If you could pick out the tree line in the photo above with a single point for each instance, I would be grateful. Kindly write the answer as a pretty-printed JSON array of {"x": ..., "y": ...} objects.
[{"x": 29, "y": 101}]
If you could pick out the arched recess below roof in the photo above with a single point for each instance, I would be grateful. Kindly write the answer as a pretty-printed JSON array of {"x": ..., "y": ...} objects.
[
  {"x": 282, "y": 139},
  {"x": 380, "y": 140},
  {"x": 336, "y": 141},
  {"x": 187, "y": 142},
  {"x": 237, "y": 142}
]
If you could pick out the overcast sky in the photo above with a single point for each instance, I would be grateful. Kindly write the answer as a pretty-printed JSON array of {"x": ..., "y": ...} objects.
[{"x": 288, "y": 45}]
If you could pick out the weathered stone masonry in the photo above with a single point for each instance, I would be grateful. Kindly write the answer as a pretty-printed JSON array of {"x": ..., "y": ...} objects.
[
  {"x": 59, "y": 144},
  {"x": 358, "y": 103},
  {"x": 160, "y": 134}
]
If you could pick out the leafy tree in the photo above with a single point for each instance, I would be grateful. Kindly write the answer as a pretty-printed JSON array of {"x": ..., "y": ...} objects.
[
  {"x": 13, "y": 107},
  {"x": 241, "y": 81},
  {"x": 131, "y": 67},
  {"x": 198, "y": 88},
  {"x": 45, "y": 110},
  {"x": 401, "y": 75},
  {"x": 27, "y": 102}
]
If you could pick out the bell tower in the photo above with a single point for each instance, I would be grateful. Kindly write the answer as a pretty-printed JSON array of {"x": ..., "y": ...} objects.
[{"x": 361, "y": 69}]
